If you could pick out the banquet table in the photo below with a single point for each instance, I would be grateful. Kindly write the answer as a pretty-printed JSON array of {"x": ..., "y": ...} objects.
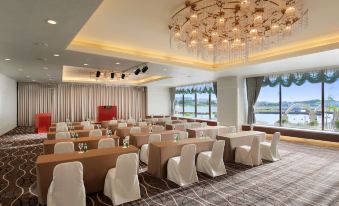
[
  {"x": 92, "y": 142},
  {"x": 161, "y": 152},
  {"x": 233, "y": 140},
  {"x": 139, "y": 139},
  {"x": 81, "y": 133},
  {"x": 76, "y": 127},
  {"x": 96, "y": 164},
  {"x": 72, "y": 123},
  {"x": 211, "y": 131}
]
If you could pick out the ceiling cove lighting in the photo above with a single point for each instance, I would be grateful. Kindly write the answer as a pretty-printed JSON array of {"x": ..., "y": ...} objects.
[
  {"x": 231, "y": 31},
  {"x": 51, "y": 21}
]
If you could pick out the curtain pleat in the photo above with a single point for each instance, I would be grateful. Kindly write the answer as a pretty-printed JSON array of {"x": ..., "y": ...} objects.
[{"x": 77, "y": 101}]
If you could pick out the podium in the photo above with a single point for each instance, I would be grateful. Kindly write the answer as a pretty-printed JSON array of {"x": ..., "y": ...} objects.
[
  {"x": 42, "y": 122},
  {"x": 106, "y": 113}
]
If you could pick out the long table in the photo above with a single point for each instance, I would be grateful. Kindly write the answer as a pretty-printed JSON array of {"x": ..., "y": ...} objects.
[
  {"x": 125, "y": 131},
  {"x": 96, "y": 164},
  {"x": 233, "y": 140},
  {"x": 76, "y": 127},
  {"x": 72, "y": 123},
  {"x": 139, "y": 139},
  {"x": 81, "y": 133},
  {"x": 210, "y": 131},
  {"x": 92, "y": 142},
  {"x": 176, "y": 126},
  {"x": 114, "y": 127},
  {"x": 161, "y": 152}
]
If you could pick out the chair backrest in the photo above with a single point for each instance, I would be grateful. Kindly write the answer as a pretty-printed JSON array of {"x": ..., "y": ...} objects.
[
  {"x": 142, "y": 124},
  {"x": 154, "y": 138},
  {"x": 195, "y": 125},
  {"x": 85, "y": 123},
  {"x": 203, "y": 124},
  {"x": 89, "y": 127},
  {"x": 158, "y": 128},
  {"x": 135, "y": 130},
  {"x": 95, "y": 133},
  {"x": 183, "y": 135},
  {"x": 131, "y": 121},
  {"x": 68, "y": 184},
  {"x": 113, "y": 122},
  {"x": 106, "y": 143},
  {"x": 217, "y": 153},
  {"x": 59, "y": 124},
  {"x": 255, "y": 150},
  {"x": 122, "y": 124},
  {"x": 63, "y": 147},
  {"x": 181, "y": 127},
  {"x": 61, "y": 129},
  {"x": 62, "y": 135},
  {"x": 187, "y": 161},
  {"x": 275, "y": 140},
  {"x": 126, "y": 170}
]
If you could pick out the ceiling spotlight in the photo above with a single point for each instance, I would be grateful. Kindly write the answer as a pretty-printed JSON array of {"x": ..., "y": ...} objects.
[
  {"x": 137, "y": 71},
  {"x": 112, "y": 75},
  {"x": 117, "y": 63},
  {"x": 56, "y": 55},
  {"x": 98, "y": 74},
  {"x": 85, "y": 64},
  {"x": 123, "y": 76},
  {"x": 144, "y": 69},
  {"x": 7, "y": 59},
  {"x": 53, "y": 22}
]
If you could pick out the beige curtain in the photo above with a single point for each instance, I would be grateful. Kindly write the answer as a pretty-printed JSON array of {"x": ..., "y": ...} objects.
[{"x": 77, "y": 101}]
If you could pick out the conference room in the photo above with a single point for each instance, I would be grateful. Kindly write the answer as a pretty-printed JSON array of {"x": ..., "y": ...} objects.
[{"x": 171, "y": 102}]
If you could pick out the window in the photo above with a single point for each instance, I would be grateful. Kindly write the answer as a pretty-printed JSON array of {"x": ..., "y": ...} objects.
[
  {"x": 331, "y": 103},
  {"x": 267, "y": 106},
  {"x": 213, "y": 106},
  {"x": 179, "y": 101},
  {"x": 203, "y": 108},
  {"x": 189, "y": 105}
]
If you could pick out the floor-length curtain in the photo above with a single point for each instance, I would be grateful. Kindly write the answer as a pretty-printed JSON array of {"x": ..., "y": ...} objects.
[
  {"x": 253, "y": 85},
  {"x": 172, "y": 91},
  {"x": 77, "y": 101}
]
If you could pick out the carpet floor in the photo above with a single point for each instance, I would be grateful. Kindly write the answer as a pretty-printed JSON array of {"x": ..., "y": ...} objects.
[{"x": 306, "y": 175}]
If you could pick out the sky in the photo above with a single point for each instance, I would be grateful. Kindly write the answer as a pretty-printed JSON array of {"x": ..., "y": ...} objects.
[{"x": 305, "y": 92}]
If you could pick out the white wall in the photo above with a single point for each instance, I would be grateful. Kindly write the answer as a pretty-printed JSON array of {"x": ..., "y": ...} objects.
[
  {"x": 8, "y": 104},
  {"x": 158, "y": 100}
]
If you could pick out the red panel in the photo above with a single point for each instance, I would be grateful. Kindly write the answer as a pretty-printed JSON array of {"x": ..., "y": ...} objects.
[
  {"x": 42, "y": 122},
  {"x": 106, "y": 113}
]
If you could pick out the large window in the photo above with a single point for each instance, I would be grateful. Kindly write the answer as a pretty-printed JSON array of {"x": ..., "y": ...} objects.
[
  {"x": 306, "y": 101},
  {"x": 196, "y": 101}
]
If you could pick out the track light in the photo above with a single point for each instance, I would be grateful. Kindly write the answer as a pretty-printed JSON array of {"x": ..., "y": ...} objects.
[
  {"x": 123, "y": 76},
  {"x": 137, "y": 71},
  {"x": 144, "y": 69},
  {"x": 98, "y": 74},
  {"x": 112, "y": 75}
]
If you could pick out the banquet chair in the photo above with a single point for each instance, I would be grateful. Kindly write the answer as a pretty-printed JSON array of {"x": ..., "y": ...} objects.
[
  {"x": 142, "y": 124},
  {"x": 122, "y": 124},
  {"x": 158, "y": 128},
  {"x": 63, "y": 147},
  {"x": 144, "y": 151},
  {"x": 89, "y": 127},
  {"x": 135, "y": 130},
  {"x": 211, "y": 162},
  {"x": 106, "y": 143},
  {"x": 122, "y": 183},
  {"x": 59, "y": 124},
  {"x": 95, "y": 133},
  {"x": 62, "y": 135},
  {"x": 69, "y": 189},
  {"x": 113, "y": 122},
  {"x": 249, "y": 155},
  {"x": 61, "y": 129},
  {"x": 183, "y": 135},
  {"x": 269, "y": 150},
  {"x": 181, "y": 170},
  {"x": 85, "y": 123},
  {"x": 131, "y": 121},
  {"x": 180, "y": 127},
  {"x": 203, "y": 124}
]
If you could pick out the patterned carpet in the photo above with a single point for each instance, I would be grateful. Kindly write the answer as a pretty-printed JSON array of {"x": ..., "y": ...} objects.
[{"x": 307, "y": 175}]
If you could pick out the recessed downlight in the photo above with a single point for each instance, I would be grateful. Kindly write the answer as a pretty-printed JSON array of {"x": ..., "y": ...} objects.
[
  {"x": 45, "y": 68},
  {"x": 85, "y": 64},
  {"x": 117, "y": 63},
  {"x": 51, "y": 21},
  {"x": 7, "y": 59},
  {"x": 56, "y": 55},
  {"x": 28, "y": 76}
]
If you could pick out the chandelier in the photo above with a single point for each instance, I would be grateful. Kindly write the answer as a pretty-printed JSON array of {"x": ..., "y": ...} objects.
[{"x": 231, "y": 30}]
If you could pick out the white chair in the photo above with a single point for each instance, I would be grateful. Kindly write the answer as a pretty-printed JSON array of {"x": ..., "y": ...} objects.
[
  {"x": 131, "y": 121},
  {"x": 211, "y": 162},
  {"x": 181, "y": 170},
  {"x": 203, "y": 124},
  {"x": 249, "y": 155},
  {"x": 135, "y": 130},
  {"x": 61, "y": 129},
  {"x": 62, "y": 135},
  {"x": 158, "y": 128},
  {"x": 183, "y": 135},
  {"x": 63, "y": 147},
  {"x": 195, "y": 125},
  {"x": 89, "y": 127},
  {"x": 142, "y": 124},
  {"x": 95, "y": 133},
  {"x": 144, "y": 151},
  {"x": 122, "y": 124},
  {"x": 122, "y": 183},
  {"x": 60, "y": 124},
  {"x": 67, "y": 187},
  {"x": 113, "y": 122},
  {"x": 269, "y": 150},
  {"x": 85, "y": 123},
  {"x": 106, "y": 143}
]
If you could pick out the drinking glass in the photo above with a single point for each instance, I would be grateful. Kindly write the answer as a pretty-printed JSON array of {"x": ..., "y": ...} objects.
[{"x": 80, "y": 145}]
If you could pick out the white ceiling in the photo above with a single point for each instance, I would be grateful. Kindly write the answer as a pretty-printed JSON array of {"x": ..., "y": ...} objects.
[{"x": 137, "y": 25}]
